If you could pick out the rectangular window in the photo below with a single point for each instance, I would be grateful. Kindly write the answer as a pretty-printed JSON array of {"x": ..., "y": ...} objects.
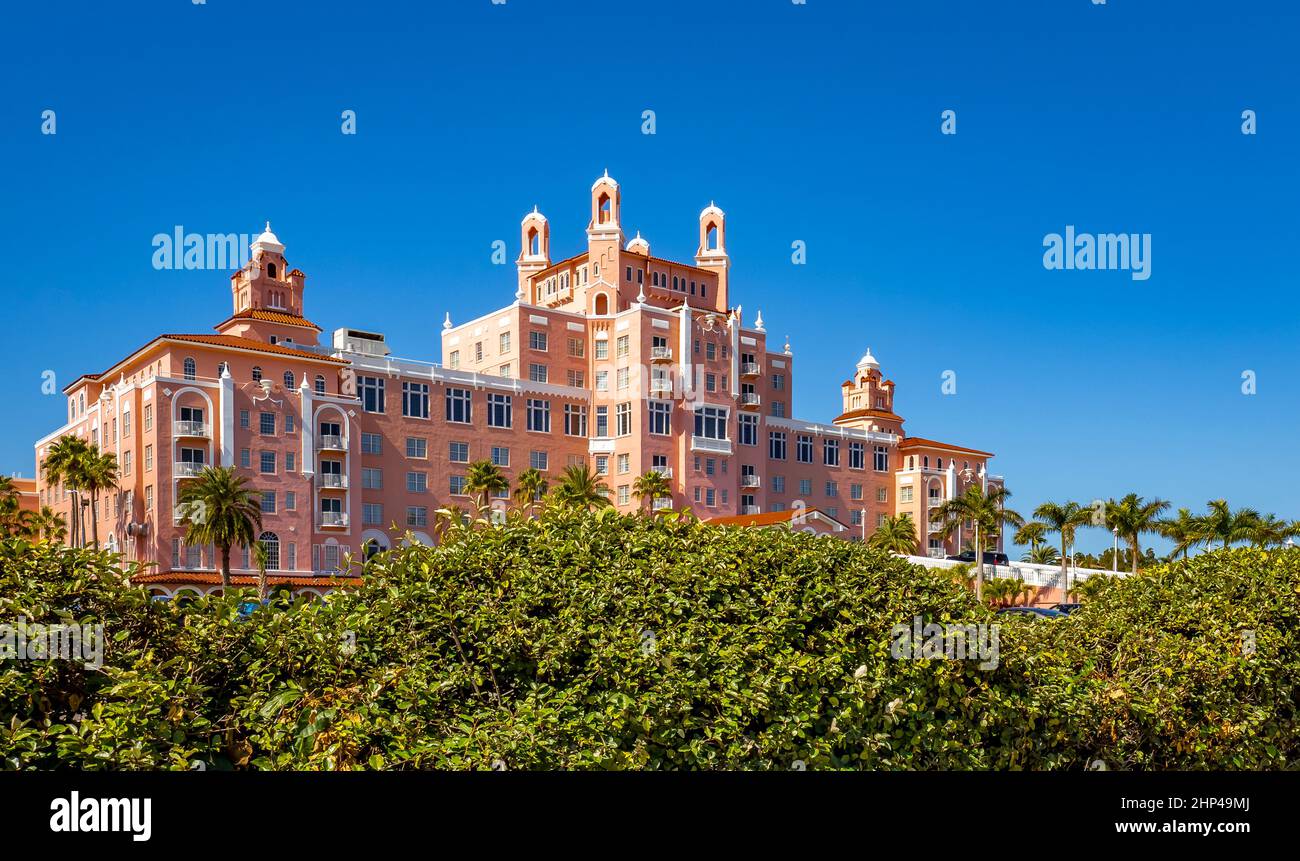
[
  {"x": 371, "y": 443},
  {"x": 803, "y": 450},
  {"x": 500, "y": 455},
  {"x": 602, "y": 464},
  {"x": 453, "y": 359},
  {"x": 881, "y": 459},
  {"x": 415, "y": 400},
  {"x": 267, "y": 462},
  {"x": 289, "y": 426},
  {"x": 577, "y": 347},
  {"x": 503, "y": 343},
  {"x": 778, "y": 409},
  {"x": 602, "y": 381},
  {"x": 537, "y": 373},
  {"x": 537, "y": 340},
  {"x": 371, "y": 391},
  {"x": 778, "y": 484},
  {"x": 148, "y": 417},
  {"x": 457, "y": 485},
  {"x": 623, "y": 417},
  {"x": 499, "y": 411},
  {"x": 575, "y": 420},
  {"x": 602, "y": 349},
  {"x": 478, "y": 351},
  {"x": 778, "y": 382},
  {"x": 268, "y": 502},
  {"x": 148, "y": 458},
  {"x": 266, "y": 424},
  {"x": 539, "y": 460},
  {"x": 245, "y": 458},
  {"x": 372, "y": 514},
  {"x": 148, "y": 498},
  {"x": 661, "y": 418},
  {"x": 243, "y": 419},
  {"x": 577, "y": 379},
  {"x": 882, "y": 494},
  {"x": 621, "y": 378},
  {"x": 290, "y": 500},
  {"x": 458, "y": 406},
  {"x": 621, "y": 347},
  {"x": 749, "y": 430},
  {"x": 711, "y": 422},
  {"x": 624, "y": 464},
  {"x": 830, "y": 452},
  {"x": 539, "y": 415},
  {"x": 905, "y": 494},
  {"x": 776, "y": 445},
  {"x": 805, "y": 487},
  {"x": 372, "y": 478},
  {"x": 417, "y": 515},
  {"x": 624, "y": 494},
  {"x": 417, "y": 446},
  {"x": 855, "y": 491},
  {"x": 290, "y": 462},
  {"x": 710, "y": 351},
  {"x": 857, "y": 456},
  {"x": 832, "y": 488},
  {"x": 417, "y": 482}
]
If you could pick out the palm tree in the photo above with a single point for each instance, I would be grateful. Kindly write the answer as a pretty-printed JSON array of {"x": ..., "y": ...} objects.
[
  {"x": 1224, "y": 524},
  {"x": 260, "y": 559},
  {"x": 987, "y": 511},
  {"x": 1182, "y": 529},
  {"x": 895, "y": 535},
  {"x": 1270, "y": 531},
  {"x": 1132, "y": 516},
  {"x": 1032, "y": 533},
  {"x": 49, "y": 525},
  {"x": 64, "y": 466},
  {"x": 530, "y": 486},
  {"x": 1063, "y": 519},
  {"x": 483, "y": 478},
  {"x": 581, "y": 488},
  {"x": 219, "y": 510},
  {"x": 1043, "y": 554},
  {"x": 99, "y": 473},
  {"x": 651, "y": 486}
]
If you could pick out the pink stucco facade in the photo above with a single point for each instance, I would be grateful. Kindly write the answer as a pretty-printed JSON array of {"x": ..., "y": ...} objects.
[{"x": 611, "y": 357}]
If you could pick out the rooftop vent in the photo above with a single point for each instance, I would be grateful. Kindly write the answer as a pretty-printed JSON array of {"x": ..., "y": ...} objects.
[{"x": 357, "y": 341}]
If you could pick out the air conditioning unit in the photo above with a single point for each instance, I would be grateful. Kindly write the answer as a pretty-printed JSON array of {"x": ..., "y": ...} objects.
[{"x": 137, "y": 529}]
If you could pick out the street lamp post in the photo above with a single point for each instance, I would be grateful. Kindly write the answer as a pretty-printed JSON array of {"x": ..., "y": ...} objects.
[{"x": 1114, "y": 558}]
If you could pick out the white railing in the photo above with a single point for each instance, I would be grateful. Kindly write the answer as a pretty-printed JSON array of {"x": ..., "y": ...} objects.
[
  {"x": 750, "y": 509},
  {"x": 750, "y": 369},
  {"x": 600, "y": 445},
  {"x": 665, "y": 471},
  {"x": 332, "y": 441},
  {"x": 1033, "y": 573},
  {"x": 187, "y": 469},
  {"x": 750, "y": 399},
  {"x": 751, "y": 481},
  {"x": 704, "y": 443},
  {"x": 663, "y": 503},
  {"x": 333, "y": 518},
  {"x": 658, "y": 385},
  {"x": 661, "y": 353},
  {"x": 195, "y": 429},
  {"x": 333, "y": 480}
]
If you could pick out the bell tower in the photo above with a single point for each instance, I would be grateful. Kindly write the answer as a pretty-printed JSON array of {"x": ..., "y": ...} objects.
[
  {"x": 265, "y": 282},
  {"x": 535, "y": 255},
  {"x": 712, "y": 252}
]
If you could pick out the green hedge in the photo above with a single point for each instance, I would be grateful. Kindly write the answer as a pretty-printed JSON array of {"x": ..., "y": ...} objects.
[{"x": 594, "y": 641}]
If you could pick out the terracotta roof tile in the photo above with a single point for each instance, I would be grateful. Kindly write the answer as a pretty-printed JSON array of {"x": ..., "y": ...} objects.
[
  {"x": 770, "y": 518},
  {"x": 272, "y": 317},
  {"x": 921, "y": 442},
  {"x": 249, "y": 344}
]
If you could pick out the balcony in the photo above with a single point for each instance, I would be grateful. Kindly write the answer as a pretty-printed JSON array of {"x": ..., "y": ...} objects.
[
  {"x": 750, "y": 369},
  {"x": 660, "y": 386},
  {"x": 662, "y": 503},
  {"x": 600, "y": 445},
  {"x": 716, "y": 446},
  {"x": 934, "y": 528},
  {"x": 661, "y": 354},
  {"x": 186, "y": 469},
  {"x": 333, "y": 481},
  {"x": 198, "y": 430},
  {"x": 750, "y": 401},
  {"x": 665, "y": 471},
  {"x": 750, "y": 509},
  {"x": 331, "y": 442},
  {"x": 330, "y": 519},
  {"x": 751, "y": 481}
]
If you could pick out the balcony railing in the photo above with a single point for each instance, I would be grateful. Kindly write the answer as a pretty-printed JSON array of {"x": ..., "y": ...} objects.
[
  {"x": 333, "y": 518},
  {"x": 750, "y": 400},
  {"x": 187, "y": 469},
  {"x": 751, "y": 481},
  {"x": 661, "y": 354},
  {"x": 750, "y": 509},
  {"x": 750, "y": 369},
  {"x": 662, "y": 503},
  {"x": 659, "y": 385},
  {"x": 333, "y": 480},
  {"x": 600, "y": 445},
  {"x": 332, "y": 442},
  {"x": 704, "y": 443},
  {"x": 192, "y": 429},
  {"x": 665, "y": 471}
]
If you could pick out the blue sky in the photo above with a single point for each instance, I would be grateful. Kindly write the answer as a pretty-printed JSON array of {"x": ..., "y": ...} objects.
[{"x": 818, "y": 123}]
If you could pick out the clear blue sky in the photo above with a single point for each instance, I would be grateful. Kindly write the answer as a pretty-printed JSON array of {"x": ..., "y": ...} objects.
[{"x": 817, "y": 122}]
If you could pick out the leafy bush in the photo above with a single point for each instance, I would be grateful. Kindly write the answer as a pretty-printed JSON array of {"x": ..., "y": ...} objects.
[{"x": 594, "y": 641}]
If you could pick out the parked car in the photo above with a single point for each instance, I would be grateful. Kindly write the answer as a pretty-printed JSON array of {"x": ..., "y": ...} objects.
[
  {"x": 990, "y": 558},
  {"x": 1032, "y": 612},
  {"x": 1067, "y": 609}
]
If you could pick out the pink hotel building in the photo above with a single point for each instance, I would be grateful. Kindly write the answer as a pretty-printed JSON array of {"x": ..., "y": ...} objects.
[{"x": 612, "y": 357}]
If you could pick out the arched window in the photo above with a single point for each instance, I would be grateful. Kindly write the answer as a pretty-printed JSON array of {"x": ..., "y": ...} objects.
[
  {"x": 271, "y": 544},
  {"x": 534, "y": 242},
  {"x": 925, "y": 461},
  {"x": 320, "y": 384},
  {"x": 373, "y": 547},
  {"x": 288, "y": 380},
  {"x": 602, "y": 304},
  {"x": 270, "y": 269},
  {"x": 257, "y": 374},
  {"x": 711, "y": 238},
  {"x": 189, "y": 368},
  {"x": 605, "y": 209},
  {"x": 940, "y": 463}
]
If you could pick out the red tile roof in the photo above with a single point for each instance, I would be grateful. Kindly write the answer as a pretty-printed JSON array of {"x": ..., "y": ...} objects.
[
  {"x": 921, "y": 442},
  {"x": 272, "y": 317},
  {"x": 869, "y": 411},
  {"x": 249, "y": 344}
]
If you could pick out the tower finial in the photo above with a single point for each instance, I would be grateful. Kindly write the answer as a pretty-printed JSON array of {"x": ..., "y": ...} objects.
[
  {"x": 758, "y": 324},
  {"x": 446, "y": 324}
]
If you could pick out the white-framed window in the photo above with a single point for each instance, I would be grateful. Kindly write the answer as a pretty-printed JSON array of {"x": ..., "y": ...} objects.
[
  {"x": 881, "y": 459},
  {"x": 539, "y": 415},
  {"x": 459, "y": 406},
  {"x": 417, "y": 482},
  {"x": 803, "y": 448},
  {"x": 500, "y": 455},
  {"x": 371, "y": 392},
  {"x": 661, "y": 417},
  {"x": 711, "y": 422},
  {"x": 623, "y": 419},
  {"x": 499, "y": 410},
  {"x": 537, "y": 340},
  {"x": 539, "y": 460},
  {"x": 417, "y": 447},
  {"x": 575, "y": 420},
  {"x": 776, "y": 445},
  {"x": 415, "y": 400},
  {"x": 372, "y": 478}
]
